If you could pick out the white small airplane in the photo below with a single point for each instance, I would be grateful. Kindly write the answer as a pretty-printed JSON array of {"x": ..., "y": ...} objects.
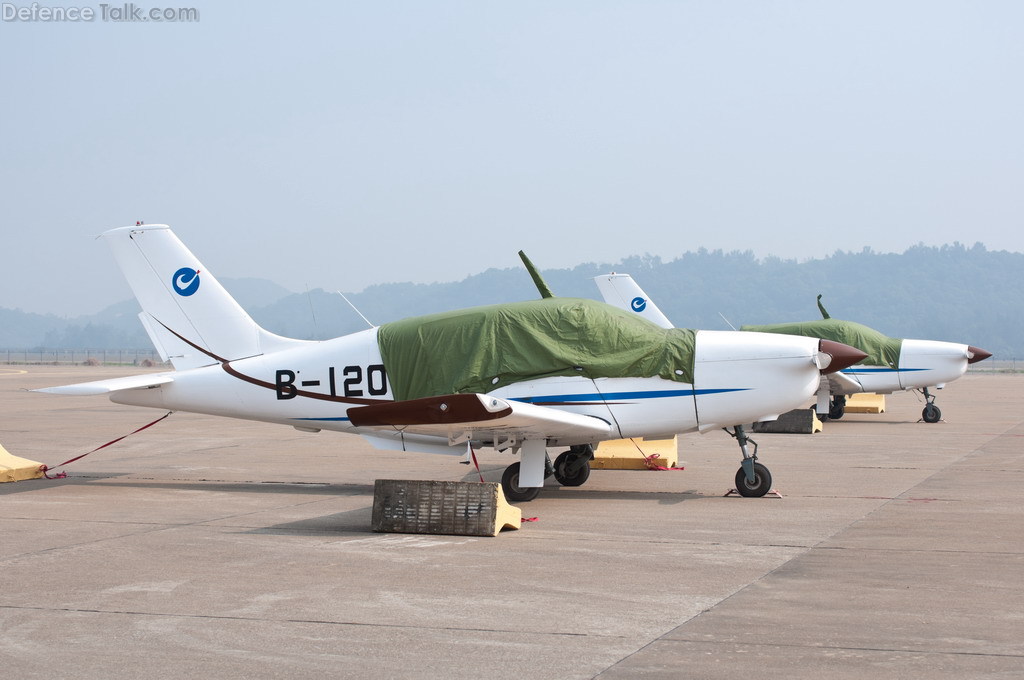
[
  {"x": 890, "y": 365},
  {"x": 520, "y": 377}
]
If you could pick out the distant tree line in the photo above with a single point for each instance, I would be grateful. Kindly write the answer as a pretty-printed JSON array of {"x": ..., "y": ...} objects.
[{"x": 951, "y": 292}]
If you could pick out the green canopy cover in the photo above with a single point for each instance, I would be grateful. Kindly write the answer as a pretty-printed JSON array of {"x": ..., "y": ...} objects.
[
  {"x": 881, "y": 349},
  {"x": 483, "y": 348}
]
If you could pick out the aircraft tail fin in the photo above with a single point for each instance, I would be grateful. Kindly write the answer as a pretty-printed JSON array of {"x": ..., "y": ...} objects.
[
  {"x": 620, "y": 290},
  {"x": 191, "y": 319}
]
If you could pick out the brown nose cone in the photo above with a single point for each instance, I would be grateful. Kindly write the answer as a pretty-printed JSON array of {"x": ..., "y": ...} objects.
[
  {"x": 843, "y": 356},
  {"x": 976, "y": 355}
]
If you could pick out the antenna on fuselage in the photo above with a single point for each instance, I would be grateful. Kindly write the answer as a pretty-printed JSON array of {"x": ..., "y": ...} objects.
[
  {"x": 821, "y": 307},
  {"x": 538, "y": 280},
  {"x": 312, "y": 313},
  {"x": 354, "y": 309}
]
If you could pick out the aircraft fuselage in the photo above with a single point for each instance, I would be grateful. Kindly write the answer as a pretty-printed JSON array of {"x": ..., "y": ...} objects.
[
  {"x": 922, "y": 363},
  {"x": 738, "y": 378}
]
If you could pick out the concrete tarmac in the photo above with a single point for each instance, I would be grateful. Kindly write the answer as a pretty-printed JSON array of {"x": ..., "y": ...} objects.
[{"x": 207, "y": 547}]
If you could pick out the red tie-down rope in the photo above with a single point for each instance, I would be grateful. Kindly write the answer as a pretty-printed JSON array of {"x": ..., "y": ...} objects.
[
  {"x": 475, "y": 464},
  {"x": 62, "y": 475},
  {"x": 651, "y": 461},
  {"x": 472, "y": 454}
]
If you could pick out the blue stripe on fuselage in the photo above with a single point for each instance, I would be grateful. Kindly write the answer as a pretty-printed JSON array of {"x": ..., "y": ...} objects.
[
  {"x": 593, "y": 397},
  {"x": 619, "y": 396},
  {"x": 856, "y": 371}
]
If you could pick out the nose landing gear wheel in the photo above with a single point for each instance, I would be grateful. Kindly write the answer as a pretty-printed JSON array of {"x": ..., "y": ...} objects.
[
  {"x": 931, "y": 414},
  {"x": 760, "y": 486},
  {"x": 510, "y": 486}
]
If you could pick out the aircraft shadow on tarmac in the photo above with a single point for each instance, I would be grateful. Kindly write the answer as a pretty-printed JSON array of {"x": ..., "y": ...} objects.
[
  {"x": 586, "y": 495},
  {"x": 591, "y": 494},
  {"x": 113, "y": 480},
  {"x": 875, "y": 420},
  {"x": 359, "y": 520}
]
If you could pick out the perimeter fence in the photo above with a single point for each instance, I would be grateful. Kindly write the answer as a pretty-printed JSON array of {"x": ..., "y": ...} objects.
[
  {"x": 89, "y": 357},
  {"x": 997, "y": 366}
]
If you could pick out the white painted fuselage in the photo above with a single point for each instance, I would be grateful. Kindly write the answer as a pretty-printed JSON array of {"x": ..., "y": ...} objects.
[
  {"x": 738, "y": 378},
  {"x": 923, "y": 363}
]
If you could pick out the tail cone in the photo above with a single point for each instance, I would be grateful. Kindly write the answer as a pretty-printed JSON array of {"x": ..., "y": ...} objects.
[{"x": 839, "y": 356}]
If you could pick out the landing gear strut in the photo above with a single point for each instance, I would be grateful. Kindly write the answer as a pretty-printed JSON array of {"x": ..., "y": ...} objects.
[
  {"x": 510, "y": 484},
  {"x": 571, "y": 468},
  {"x": 931, "y": 412},
  {"x": 752, "y": 479}
]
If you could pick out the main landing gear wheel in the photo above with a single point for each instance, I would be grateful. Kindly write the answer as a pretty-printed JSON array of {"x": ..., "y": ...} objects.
[
  {"x": 510, "y": 485},
  {"x": 838, "y": 408},
  {"x": 572, "y": 467},
  {"x": 760, "y": 486}
]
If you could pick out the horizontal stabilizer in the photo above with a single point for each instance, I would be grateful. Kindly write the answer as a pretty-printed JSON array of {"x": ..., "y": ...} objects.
[{"x": 132, "y": 382}]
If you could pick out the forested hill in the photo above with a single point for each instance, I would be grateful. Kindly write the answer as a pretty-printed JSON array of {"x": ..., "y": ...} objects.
[{"x": 953, "y": 292}]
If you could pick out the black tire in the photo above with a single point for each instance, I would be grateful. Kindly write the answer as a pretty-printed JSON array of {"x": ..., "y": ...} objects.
[
  {"x": 510, "y": 486},
  {"x": 931, "y": 414},
  {"x": 837, "y": 410},
  {"x": 762, "y": 482},
  {"x": 574, "y": 479}
]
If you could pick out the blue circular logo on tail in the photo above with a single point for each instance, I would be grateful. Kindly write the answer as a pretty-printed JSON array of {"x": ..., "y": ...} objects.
[
  {"x": 638, "y": 304},
  {"x": 185, "y": 281}
]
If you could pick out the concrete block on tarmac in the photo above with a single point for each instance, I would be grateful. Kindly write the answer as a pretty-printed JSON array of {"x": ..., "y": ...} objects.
[
  {"x": 635, "y": 454},
  {"x": 432, "y": 507},
  {"x": 865, "y": 402},
  {"x": 16, "y": 469},
  {"x": 799, "y": 421}
]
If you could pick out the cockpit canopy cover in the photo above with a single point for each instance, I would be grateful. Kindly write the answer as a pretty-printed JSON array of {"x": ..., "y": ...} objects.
[
  {"x": 483, "y": 348},
  {"x": 881, "y": 349}
]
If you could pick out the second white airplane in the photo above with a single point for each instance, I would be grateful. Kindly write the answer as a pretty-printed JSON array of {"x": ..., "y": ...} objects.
[{"x": 890, "y": 364}]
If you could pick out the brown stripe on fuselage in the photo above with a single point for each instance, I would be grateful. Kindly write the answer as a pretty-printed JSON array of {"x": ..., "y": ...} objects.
[{"x": 230, "y": 370}]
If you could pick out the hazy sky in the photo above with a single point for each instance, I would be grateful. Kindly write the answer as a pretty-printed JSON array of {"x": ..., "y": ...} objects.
[{"x": 339, "y": 145}]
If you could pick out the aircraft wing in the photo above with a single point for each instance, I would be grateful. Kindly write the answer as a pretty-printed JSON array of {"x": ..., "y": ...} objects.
[
  {"x": 132, "y": 382},
  {"x": 479, "y": 417}
]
